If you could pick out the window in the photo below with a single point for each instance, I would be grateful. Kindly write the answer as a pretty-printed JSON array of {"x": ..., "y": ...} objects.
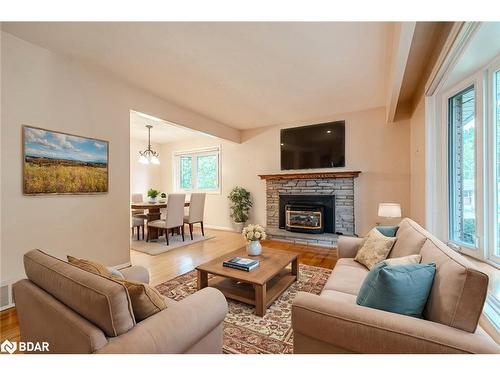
[
  {"x": 197, "y": 170},
  {"x": 496, "y": 168},
  {"x": 462, "y": 167}
]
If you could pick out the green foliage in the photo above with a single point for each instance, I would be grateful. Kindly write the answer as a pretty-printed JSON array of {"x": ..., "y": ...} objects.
[
  {"x": 469, "y": 233},
  {"x": 163, "y": 195},
  {"x": 186, "y": 172},
  {"x": 207, "y": 172},
  {"x": 152, "y": 193},
  {"x": 240, "y": 204}
]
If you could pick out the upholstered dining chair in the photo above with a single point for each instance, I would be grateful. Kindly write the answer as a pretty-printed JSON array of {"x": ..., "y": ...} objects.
[
  {"x": 138, "y": 222},
  {"x": 174, "y": 216},
  {"x": 138, "y": 198},
  {"x": 196, "y": 212}
]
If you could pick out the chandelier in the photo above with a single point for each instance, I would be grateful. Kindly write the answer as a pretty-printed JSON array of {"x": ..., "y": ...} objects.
[{"x": 149, "y": 156}]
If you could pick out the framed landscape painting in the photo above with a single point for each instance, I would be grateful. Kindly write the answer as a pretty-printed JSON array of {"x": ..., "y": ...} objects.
[{"x": 61, "y": 163}]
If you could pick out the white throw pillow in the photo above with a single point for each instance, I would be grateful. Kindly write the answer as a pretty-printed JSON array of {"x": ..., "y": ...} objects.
[
  {"x": 375, "y": 248},
  {"x": 410, "y": 259}
]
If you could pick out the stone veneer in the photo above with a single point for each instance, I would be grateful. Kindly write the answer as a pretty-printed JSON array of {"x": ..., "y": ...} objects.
[{"x": 342, "y": 188}]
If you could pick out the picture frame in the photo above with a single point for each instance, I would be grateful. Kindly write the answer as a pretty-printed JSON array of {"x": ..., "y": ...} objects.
[{"x": 59, "y": 163}]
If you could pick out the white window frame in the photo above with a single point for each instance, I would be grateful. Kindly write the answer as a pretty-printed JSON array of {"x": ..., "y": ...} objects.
[
  {"x": 476, "y": 80},
  {"x": 491, "y": 161},
  {"x": 176, "y": 157}
]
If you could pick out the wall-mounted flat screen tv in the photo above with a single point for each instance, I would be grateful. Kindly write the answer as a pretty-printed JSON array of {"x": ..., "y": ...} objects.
[{"x": 313, "y": 146}]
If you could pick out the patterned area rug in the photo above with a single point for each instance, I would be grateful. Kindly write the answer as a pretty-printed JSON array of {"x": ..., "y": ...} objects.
[{"x": 244, "y": 332}]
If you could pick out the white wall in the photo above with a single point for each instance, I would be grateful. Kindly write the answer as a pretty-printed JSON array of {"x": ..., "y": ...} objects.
[
  {"x": 40, "y": 88},
  {"x": 142, "y": 176},
  {"x": 379, "y": 150},
  {"x": 417, "y": 163}
]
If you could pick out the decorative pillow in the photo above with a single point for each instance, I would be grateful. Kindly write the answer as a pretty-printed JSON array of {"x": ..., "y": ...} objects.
[
  {"x": 388, "y": 230},
  {"x": 146, "y": 300},
  {"x": 375, "y": 248},
  {"x": 398, "y": 289},
  {"x": 410, "y": 259},
  {"x": 89, "y": 266}
]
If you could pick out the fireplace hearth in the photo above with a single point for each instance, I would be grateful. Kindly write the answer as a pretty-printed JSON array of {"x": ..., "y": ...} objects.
[
  {"x": 304, "y": 218},
  {"x": 307, "y": 213}
]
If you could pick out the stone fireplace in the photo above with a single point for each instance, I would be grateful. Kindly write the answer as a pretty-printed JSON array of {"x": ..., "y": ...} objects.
[{"x": 319, "y": 206}]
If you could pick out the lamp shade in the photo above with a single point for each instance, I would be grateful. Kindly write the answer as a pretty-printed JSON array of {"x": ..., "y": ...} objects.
[{"x": 389, "y": 210}]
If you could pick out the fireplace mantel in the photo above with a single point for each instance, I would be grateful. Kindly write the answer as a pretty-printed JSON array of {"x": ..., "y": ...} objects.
[{"x": 309, "y": 176}]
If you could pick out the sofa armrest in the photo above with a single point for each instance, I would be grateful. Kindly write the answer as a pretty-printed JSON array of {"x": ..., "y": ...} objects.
[
  {"x": 360, "y": 329},
  {"x": 348, "y": 246},
  {"x": 136, "y": 273},
  {"x": 177, "y": 328}
]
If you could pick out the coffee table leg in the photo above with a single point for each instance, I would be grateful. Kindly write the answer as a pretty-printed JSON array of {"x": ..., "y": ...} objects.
[
  {"x": 295, "y": 267},
  {"x": 202, "y": 279},
  {"x": 260, "y": 299}
]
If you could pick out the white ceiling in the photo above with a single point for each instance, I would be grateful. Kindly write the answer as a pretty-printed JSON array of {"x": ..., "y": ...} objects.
[
  {"x": 162, "y": 131},
  {"x": 244, "y": 75},
  {"x": 482, "y": 48}
]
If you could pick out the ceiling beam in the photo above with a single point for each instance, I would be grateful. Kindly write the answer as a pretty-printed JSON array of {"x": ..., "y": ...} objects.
[{"x": 403, "y": 36}]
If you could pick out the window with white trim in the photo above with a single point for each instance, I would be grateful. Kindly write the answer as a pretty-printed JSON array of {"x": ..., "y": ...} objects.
[{"x": 197, "y": 170}]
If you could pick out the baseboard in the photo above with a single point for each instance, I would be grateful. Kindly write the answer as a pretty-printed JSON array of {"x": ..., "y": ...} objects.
[{"x": 216, "y": 227}]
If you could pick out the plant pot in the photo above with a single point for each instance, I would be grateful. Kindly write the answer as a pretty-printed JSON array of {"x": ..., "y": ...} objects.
[
  {"x": 162, "y": 200},
  {"x": 254, "y": 248},
  {"x": 153, "y": 200},
  {"x": 239, "y": 226}
]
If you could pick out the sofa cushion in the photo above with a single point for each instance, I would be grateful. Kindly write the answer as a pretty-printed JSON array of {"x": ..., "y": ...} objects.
[
  {"x": 459, "y": 290},
  {"x": 409, "y": 240},
  {"x": 388, "y": 230},
  {"x": 375, "y": 248},
  {"x": 347, "y": 276},
  {"x": 410, "y": 259},
  {"x": 102, "y": 301},
  {"x": 399, "y": 289}
]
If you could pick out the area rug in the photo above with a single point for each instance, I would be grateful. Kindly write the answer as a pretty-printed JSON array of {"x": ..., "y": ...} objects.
[
  {"x": 160, "y": 246},
  {"x": 246, "y": 333}
]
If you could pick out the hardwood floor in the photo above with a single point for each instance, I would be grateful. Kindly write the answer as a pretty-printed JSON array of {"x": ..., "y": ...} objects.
[{"x": 166, "y": 266}]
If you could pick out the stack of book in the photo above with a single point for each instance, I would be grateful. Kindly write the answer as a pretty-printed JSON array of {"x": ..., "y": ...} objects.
[{"x": 242, "y": 264}]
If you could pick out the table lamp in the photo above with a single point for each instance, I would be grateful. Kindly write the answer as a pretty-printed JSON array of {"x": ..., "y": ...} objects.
[{"x": 389, "y": 210}]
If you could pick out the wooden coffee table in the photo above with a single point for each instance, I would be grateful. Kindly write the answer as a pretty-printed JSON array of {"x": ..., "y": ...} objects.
[{"x": 259, "y": 287}]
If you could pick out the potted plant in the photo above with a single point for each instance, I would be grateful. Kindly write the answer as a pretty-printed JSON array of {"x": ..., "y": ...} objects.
[
  {"x": 163, "y": 198},
  {"x": 152, "y": 195},
  {"x": 240, "y": 206},
  {"x": 254, "y": 234}
]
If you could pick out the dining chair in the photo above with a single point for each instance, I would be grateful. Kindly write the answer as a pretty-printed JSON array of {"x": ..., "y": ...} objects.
[
  {"x": 196, "y": 212},
  {"x": 174, "y": 216},
  {"x": 138, "y": 223},
  {"x": 138, "y": 198}
]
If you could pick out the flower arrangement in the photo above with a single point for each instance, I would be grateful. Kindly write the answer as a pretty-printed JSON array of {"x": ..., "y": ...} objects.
[{"x": 254, "y": 232}]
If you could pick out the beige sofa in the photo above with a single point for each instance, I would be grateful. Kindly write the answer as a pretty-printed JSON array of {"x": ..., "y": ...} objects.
[
  {"x": 333, "y": 323},
  {"x": 76, "y": 311}
]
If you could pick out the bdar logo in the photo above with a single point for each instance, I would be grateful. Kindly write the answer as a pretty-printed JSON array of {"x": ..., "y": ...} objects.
[{"x": 9, "y": 347}]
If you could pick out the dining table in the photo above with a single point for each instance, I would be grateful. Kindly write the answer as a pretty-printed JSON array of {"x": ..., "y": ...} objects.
[{"x": 152, "y": 214}]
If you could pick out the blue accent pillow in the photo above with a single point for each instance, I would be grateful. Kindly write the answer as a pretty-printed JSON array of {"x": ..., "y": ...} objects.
[
  {"x": 399, "y": 289},
  {"x": 388, "y": 230}
]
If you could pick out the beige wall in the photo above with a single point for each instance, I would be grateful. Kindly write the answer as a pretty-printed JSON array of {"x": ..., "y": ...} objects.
[
  {"x": 379, "y": 150},
  {"x": 142, "y": 176},
  {"x": 44, "y": 89},
  {"x": 417, "y": 163}
]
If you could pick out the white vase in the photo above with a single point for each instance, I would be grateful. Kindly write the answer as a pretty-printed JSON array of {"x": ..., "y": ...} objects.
[
  {"x": 254, "y": 248},
  {"x": 152, "y": 200}
]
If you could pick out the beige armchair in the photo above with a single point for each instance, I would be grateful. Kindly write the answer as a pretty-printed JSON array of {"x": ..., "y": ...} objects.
[{"x": 76, "y": 311}]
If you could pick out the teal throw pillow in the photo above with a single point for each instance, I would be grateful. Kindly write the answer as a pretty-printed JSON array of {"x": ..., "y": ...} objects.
[
  {"x": 400, "y": 289},
  {"x": 388, "y": 230}
]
